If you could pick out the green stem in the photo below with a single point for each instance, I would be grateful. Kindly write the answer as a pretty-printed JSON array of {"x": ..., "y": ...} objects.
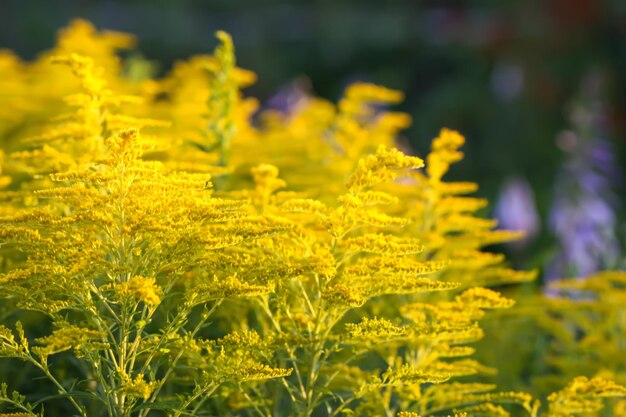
[
  {"x": 44, "y": 368},
  {"x": 207, "y": 391},
  {"x": 172, "y": 366}
]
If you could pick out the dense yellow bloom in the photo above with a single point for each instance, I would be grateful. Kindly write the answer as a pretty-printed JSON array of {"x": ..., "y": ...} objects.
[
  {"x": 194, "y": 262},
  {"x": 444, "y": 152},
  {"x": 67, "y": 337},
  {"x": 137, "y": 387},
  {"x": 141, "y": 289},
  {"x": 583, "y": 396}
]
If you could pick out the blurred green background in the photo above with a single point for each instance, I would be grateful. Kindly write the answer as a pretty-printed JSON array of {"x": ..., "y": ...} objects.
[{"x": 514, "y": 76}]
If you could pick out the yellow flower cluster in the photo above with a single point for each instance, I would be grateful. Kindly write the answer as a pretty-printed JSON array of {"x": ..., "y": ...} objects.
[
  {"x": 583, "y": 396},
  {"x": 196, "y": 263},
  {"x": 67, "y": 337},
  {"x": 137, "y": 387},
  {"x": 141, "y": 289}
]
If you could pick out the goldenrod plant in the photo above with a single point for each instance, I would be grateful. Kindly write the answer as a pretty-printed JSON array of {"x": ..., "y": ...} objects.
[
  {"x": 586, "y": 322},
  {"x": 163, "y": 255}
]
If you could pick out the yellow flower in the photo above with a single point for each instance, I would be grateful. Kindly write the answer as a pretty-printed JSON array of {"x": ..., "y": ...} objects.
[
  {"x": 141, "y": 289},
  {"x": 137, "y": 387}
]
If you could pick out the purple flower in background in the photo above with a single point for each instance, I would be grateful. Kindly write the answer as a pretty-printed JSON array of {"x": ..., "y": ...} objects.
[
  {"x": 582, "y": 217},
  {"x": 516, "y": 209},
  {"x": 291, "y": 97}
]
